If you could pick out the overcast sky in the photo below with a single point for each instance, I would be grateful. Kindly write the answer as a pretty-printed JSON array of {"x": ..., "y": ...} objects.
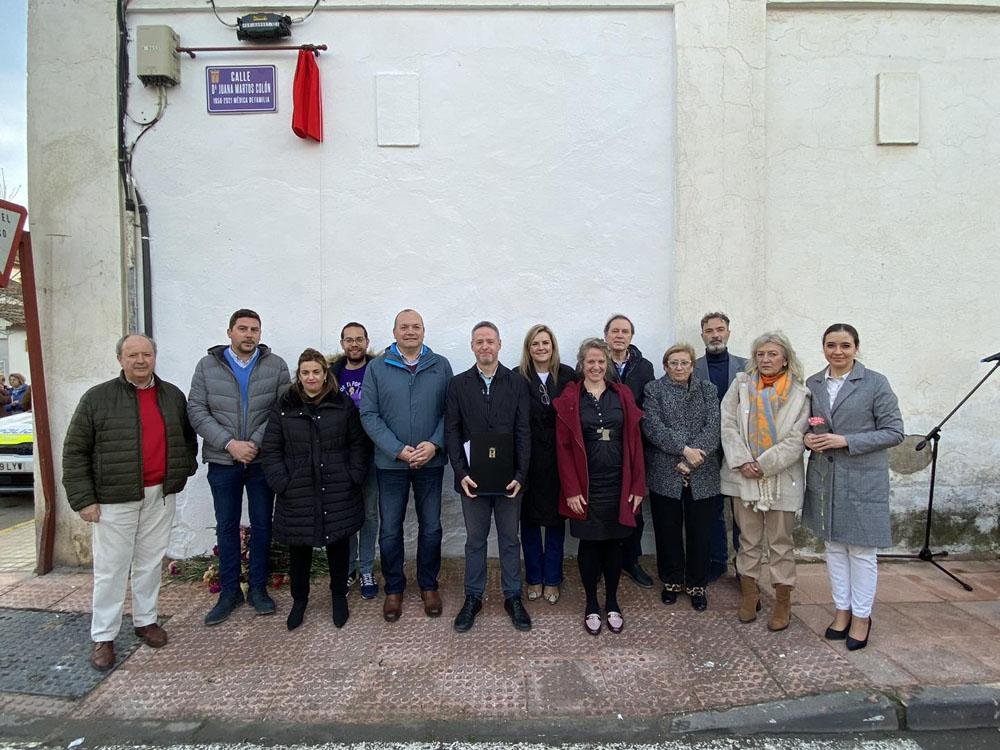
[{"x": 13, "y": 98}]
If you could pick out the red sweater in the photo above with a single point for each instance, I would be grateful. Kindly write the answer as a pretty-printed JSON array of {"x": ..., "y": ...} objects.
[
  {"x": 572, "y": 454},
  {"x": 154, "y": 437}
]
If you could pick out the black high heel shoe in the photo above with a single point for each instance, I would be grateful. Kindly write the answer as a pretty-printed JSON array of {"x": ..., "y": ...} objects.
[
  {"x": 833, "y": 634},
  {"x": 853, "y": 644}
]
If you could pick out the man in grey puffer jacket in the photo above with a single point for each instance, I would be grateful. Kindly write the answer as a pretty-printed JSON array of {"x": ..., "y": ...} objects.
[{"x": 232, "y": 392}]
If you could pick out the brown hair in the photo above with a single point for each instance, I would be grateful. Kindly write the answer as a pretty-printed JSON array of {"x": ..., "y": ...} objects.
[{"x": 329, "y": 379}]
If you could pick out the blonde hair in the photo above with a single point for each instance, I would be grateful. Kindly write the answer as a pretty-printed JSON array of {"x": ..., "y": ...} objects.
[
  {"x": 593, "y": 343},
  {"x": 527, "y": 366},
  {"x": 793, "y": 365},
  {"x": 682, "y": 346}
]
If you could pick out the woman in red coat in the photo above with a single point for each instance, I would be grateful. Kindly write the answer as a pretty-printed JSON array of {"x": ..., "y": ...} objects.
[{"x": 602, "y": 476}]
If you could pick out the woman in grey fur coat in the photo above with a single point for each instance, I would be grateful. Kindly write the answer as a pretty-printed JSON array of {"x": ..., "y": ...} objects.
[{"x": 681, "y": 427}]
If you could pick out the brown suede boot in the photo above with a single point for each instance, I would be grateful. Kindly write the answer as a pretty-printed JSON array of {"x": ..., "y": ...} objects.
[
  {"x": 782, "y": 607},
  {"x": 749, "y": 599}
]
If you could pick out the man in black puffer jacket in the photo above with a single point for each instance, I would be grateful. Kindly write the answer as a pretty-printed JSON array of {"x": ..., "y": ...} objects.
[{"x": 128, "y": 450}]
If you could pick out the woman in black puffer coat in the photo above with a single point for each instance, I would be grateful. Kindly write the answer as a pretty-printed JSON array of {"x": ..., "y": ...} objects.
[{"x": 315, "y": 455}]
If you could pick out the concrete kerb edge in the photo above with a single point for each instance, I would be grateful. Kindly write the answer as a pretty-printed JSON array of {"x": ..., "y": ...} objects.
[
  {"x": 864, "y": 711},
  {"x": 851, "y": 711},
  {"x": 952, "y": 707}
]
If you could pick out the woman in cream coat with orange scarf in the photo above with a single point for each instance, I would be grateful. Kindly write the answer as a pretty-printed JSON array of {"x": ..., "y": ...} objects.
[{"x": 764, "y": 416}]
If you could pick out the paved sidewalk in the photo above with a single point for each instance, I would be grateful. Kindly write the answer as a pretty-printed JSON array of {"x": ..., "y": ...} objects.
[{"x": 669, "y": 661}]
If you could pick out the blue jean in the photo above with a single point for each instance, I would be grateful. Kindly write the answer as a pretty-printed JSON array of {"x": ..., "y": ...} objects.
[
  {"x": 362, "y": 551},
  {"x": 227, "y": 483},
  {"x": 543, "y": 565},
  {"x": 479, "y": 514},
  {"x": 393, "y": 497},
  {"x": 632, "y": 544},
  {"x": 718, "y": 543}
]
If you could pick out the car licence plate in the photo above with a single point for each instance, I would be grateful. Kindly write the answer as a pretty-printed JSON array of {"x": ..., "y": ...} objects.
[{"x": 11, "y": 466}]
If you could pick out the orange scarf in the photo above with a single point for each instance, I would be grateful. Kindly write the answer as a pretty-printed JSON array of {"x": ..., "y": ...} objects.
[{"x": 769, "y": 394}]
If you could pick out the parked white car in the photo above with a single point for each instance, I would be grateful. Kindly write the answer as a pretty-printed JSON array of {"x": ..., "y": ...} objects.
[{"x": 17, "y": 448}]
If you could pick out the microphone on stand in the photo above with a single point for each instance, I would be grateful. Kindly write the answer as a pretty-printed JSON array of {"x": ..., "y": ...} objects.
[{"x": 993, "y": 358}]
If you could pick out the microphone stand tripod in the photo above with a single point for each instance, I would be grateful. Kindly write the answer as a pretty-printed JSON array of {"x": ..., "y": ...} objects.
[{"x": 933, "y": 437}]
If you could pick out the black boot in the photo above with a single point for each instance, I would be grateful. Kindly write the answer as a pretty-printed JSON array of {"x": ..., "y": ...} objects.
[
  {"x": 296, "y": 614},
  {"x": 340, "y": 612}
]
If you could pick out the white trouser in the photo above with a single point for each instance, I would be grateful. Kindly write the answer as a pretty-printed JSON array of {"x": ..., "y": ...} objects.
[
  {"x": 129, "y": 536},
  {"x": 853, "y": 574}
]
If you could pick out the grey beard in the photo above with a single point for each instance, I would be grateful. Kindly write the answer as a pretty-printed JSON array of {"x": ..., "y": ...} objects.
[{"x": 715, "y": 348}]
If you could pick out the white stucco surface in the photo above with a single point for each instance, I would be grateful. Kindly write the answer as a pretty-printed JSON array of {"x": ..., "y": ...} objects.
[
  {"x": 901, "y": 241},
  {"x": 541, "y": 190},
  {"x": 654, "y": 158}
]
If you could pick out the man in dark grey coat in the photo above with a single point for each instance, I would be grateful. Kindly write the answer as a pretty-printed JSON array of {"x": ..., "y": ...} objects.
[
  {"x": 720, "y": 367},
  {"x": 232, "y": 392},
  {"x": 128, "y": 450}
]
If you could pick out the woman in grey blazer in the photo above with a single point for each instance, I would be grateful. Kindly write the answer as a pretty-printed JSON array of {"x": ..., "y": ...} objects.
[
  {"x": 855, "y": 420},
  {"x": 681, "y": 427}
]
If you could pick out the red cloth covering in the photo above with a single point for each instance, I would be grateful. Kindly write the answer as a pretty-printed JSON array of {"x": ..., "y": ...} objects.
[
  {"x": 572, "y": 455},
  {"x": 154, "y": 438},
  {"x": 307, "y": 100}
]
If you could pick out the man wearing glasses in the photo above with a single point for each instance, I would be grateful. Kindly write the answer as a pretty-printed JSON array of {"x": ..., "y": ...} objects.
[{"x": 349, "y": 368}]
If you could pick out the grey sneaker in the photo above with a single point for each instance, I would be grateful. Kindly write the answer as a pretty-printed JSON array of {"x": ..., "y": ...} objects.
[{"x": 352, "y": 578}]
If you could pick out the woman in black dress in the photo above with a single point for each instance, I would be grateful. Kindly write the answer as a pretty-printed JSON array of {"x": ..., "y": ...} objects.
[
  {"x": 315, "y": 455},
  {"x": 602, "y": 476},
  {"x": 547, "y": 377}
]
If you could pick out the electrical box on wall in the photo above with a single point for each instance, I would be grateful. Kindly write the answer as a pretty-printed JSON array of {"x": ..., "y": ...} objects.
[{"x": 157, "y": 61}]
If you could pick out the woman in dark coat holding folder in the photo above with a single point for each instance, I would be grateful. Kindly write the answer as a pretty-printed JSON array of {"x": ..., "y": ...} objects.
[
  {"x": 315, "y": 456},
  {"x": 602, "y": 476},
  {"x": 547, "y": 377}
]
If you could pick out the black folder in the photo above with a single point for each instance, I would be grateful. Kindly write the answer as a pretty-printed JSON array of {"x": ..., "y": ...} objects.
[{"x": 491, "y": 462}]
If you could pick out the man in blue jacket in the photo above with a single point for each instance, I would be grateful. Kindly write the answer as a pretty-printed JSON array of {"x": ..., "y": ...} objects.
[{"x": 402, "y": 410}]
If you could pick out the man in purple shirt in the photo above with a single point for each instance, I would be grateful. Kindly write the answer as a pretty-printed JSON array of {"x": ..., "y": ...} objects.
[{"x": 349, "y": 369}]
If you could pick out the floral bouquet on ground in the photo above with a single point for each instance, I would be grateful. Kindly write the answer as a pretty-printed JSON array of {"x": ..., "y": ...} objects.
[{"x": 206, "y": 568}]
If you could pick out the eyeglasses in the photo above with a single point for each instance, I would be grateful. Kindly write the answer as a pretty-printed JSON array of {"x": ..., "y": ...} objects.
[
  {"x": 355, "y": 340},
  {"x": 544, "y": 394},
  {"x": 678, "y": 363}
]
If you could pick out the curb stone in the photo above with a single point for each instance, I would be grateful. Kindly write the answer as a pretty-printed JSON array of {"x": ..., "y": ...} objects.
[
  {"x": 955, "y": 707},
  {"x": 849, "y": 711}
]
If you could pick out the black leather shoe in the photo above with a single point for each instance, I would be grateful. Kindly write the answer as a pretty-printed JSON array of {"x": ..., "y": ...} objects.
[
  {"x": 466, "y": 616},
  {"x": 853, "y": 644},
  {"x": 639, "y": 576},
  {"x": 669, "y": 593},
  {"x": 228, "y": 601},
  {"x": 518, "y": 614},
  {"x": 261, "y": 601},
  {"x": 698, "y": 599}
]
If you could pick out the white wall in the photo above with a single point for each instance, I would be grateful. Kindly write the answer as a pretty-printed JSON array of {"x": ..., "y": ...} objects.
[
  {"x": 542, "y": 190},
  {"x": 902, "y": 241}
]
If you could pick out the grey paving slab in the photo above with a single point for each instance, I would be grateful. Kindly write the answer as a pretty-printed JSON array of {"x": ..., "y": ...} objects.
[{"x": 47, "y": 653}]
